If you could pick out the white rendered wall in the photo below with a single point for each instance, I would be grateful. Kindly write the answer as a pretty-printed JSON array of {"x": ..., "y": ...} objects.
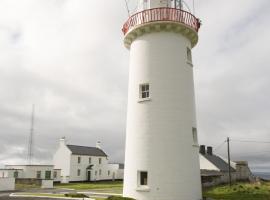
[
  {"x": 159, "y": 132},
  {"x": 61, "y": 160},
  {"x": 30, "y": 171},
  {"x": 206, "y": 164},
  {"x": 95, "y": 176},
  {"x": 7, "y": 184}
]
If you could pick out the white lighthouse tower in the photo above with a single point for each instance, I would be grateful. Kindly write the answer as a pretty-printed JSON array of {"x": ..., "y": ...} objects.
[{"x": 161, "y": 159}]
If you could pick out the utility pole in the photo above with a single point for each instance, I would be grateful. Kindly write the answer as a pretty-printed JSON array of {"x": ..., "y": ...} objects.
[
  {"x": 30, "y": 144},
  {"x": 229, "y": 161}
]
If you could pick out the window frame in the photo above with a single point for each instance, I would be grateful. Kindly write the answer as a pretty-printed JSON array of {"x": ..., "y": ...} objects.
[
  {"x": 195, "y": 136},
  {"x": 79, "y": 160},
  {"x": 38, "y": 175},
  {"x": 144, "y": 92},
  {"x": 99, "y": 161},
  {"x": 141, "y": 182},
  {"x": 189, "y": 56},
  {"x": 78, "y": 172},
  {"x": 48, "y": 175}
]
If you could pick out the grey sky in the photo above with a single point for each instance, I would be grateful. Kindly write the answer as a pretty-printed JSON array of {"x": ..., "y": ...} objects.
[{"x": 67, "y": 57}]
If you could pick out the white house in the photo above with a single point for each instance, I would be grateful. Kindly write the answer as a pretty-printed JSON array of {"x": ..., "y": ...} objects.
[
  {"x": 215, "y": 169},
  {"x": 81, "y": 163}
]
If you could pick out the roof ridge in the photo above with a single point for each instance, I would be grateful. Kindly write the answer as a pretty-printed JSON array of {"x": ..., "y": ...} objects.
[{"x": 82, "y": 146}]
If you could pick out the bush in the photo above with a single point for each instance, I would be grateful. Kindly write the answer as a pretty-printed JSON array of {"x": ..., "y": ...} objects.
[
  {"x": 119, "y": 198},
  {"x": 76, "y": 195}
]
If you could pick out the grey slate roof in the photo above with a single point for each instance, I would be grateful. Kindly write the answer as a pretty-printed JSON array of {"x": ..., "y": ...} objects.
[
  {"x": 89, "y": 151},
  {"x": 218, "y": 162}
]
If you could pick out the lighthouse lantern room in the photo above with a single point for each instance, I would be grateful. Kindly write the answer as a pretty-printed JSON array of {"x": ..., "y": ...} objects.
[{"x": 162, "y": 155}]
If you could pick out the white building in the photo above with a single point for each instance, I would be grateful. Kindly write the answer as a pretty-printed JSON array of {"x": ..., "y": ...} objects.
[
  {"x": 215, "y": 169},
  {"x": 45, "y": 172},
  {"x": 162, "y": 152},
  {"x": 81, "y": 163}
]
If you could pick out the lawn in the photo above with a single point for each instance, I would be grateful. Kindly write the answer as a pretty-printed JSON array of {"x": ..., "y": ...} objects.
[
  {"x": 104, "y": 185},
  {"x": 240, "y": 191}
]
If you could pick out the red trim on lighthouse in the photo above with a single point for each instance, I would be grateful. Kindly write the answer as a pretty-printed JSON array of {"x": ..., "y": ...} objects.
[{"x": 162, "y": 14}]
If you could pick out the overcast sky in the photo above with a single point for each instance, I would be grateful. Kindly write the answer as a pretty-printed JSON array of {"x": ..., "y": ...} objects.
[{"x": 67, "y": 57}]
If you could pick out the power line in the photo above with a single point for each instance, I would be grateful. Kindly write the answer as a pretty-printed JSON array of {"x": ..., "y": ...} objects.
[
  {"x": 219, "y": 146},
  {"x": 251, "y": 141}
]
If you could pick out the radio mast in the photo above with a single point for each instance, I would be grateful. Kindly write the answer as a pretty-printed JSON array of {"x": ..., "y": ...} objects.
[{"x": 31, "y": 139}]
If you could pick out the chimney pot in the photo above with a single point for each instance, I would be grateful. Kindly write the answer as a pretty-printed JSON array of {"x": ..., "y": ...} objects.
[
  {"x": 202, "y": 149},
  {"x": 210, "y": 151}
]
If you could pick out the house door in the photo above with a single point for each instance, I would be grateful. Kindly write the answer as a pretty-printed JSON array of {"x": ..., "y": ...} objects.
[{"x": 89, "y": 175}]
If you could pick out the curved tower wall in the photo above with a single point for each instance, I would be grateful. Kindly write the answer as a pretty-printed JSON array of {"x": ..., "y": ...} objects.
[{"x": 159, "y": 130}]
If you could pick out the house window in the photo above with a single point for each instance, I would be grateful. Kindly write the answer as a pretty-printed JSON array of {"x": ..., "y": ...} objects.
[
  {"x": 48, "y": 174},
  {"x": 78, "y": 172},
  {"x": 95, "y": 173},
  {"x": 79, "y": 160},
  {"x": 189, "y": 55},
  {"x": 194, "y": 135},
  {"x": 38, "y": 174},
  {"x": 16, "y": 174},
  {"x": 100, "y": 172},
  {"x": 109, "y": 172},
  {"x": 55, "y": 174},
  {"x": 144, "y": 91},
  {"x": 90, "y": 160},
  {"x": 99, "y": 160}
]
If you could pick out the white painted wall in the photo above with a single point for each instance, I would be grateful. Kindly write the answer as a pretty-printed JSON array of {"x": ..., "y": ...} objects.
[
  {"x": 30, "y": 171},
  {"x": 95, "y": 175},
  {"x": 206, "y": 164},
  {"x": 159, "y": 132},
  {"x": 9, "y": 173},
  {"x": 7, "y": 184},
  {"x": 47, "y": 184},
  {"x": 61, "y": 160}
]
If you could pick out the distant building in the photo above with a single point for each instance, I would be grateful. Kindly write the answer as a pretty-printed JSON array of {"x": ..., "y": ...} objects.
[
  {"x": 215, "y": 169},
  {"x": 45, "y": 172},
  {"x": 81, "y": 163}
]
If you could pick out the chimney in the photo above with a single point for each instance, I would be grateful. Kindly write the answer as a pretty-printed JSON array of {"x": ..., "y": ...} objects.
[
  {"x": 210, "y": 151},
  {"x": 202, "y": 149},
  {"x": 98, "y": 145},
  {"x": 62, "y": 141}
]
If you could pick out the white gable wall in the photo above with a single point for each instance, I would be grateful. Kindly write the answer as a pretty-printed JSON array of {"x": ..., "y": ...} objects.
[
  {"x": 62, "y": 160},
  {"x": 206, "y": 164}
]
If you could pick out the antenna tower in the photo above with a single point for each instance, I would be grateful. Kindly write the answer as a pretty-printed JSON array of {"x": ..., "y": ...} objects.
[{"x": 31, "y": 141}]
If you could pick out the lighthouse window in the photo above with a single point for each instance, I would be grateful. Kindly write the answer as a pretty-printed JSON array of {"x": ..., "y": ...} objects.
[
  {"x": 195, "y": 135},
  {"x": 144, "y": 91},
  {"x": 143, "y": 177},
  {"x": 189, "y": 56}
]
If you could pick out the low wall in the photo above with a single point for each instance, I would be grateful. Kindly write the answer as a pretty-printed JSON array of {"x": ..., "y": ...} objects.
[
  {"x": 7, "y": 184},
  {"x": 47, "y": 184},
  {"x": 29, "y": 181}
]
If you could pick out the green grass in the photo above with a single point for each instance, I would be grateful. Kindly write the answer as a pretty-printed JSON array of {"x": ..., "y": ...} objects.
[
  {"x": 26, "y": 186},
  {"x": 240, "y": 191},
  {"x": 105, "y": 185},
  {"x": 42, "y": 194}
]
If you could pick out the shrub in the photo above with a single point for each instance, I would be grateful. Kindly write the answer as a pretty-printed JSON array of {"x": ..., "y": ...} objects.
[{"x": 76, "y": 195}]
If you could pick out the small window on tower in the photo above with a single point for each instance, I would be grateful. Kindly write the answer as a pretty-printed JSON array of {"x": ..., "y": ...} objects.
[
  {"x": 189, "y": 55},
  {"x": 195, "y": 135},
  {"x": 143, "y": 178},
  {"x": 144, "y": 91}
]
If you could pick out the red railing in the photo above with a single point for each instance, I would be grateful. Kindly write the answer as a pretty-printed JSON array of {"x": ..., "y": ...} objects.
[{"x": 162, "y": 14}]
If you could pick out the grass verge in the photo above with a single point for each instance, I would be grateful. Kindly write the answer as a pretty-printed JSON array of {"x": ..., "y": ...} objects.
[{"x": 240, "y": 191}]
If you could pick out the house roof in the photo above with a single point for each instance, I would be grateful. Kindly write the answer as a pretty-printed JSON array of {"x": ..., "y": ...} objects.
[
  {"x": 218, "y": 162},
  {"x": 89, "y": 151}
]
